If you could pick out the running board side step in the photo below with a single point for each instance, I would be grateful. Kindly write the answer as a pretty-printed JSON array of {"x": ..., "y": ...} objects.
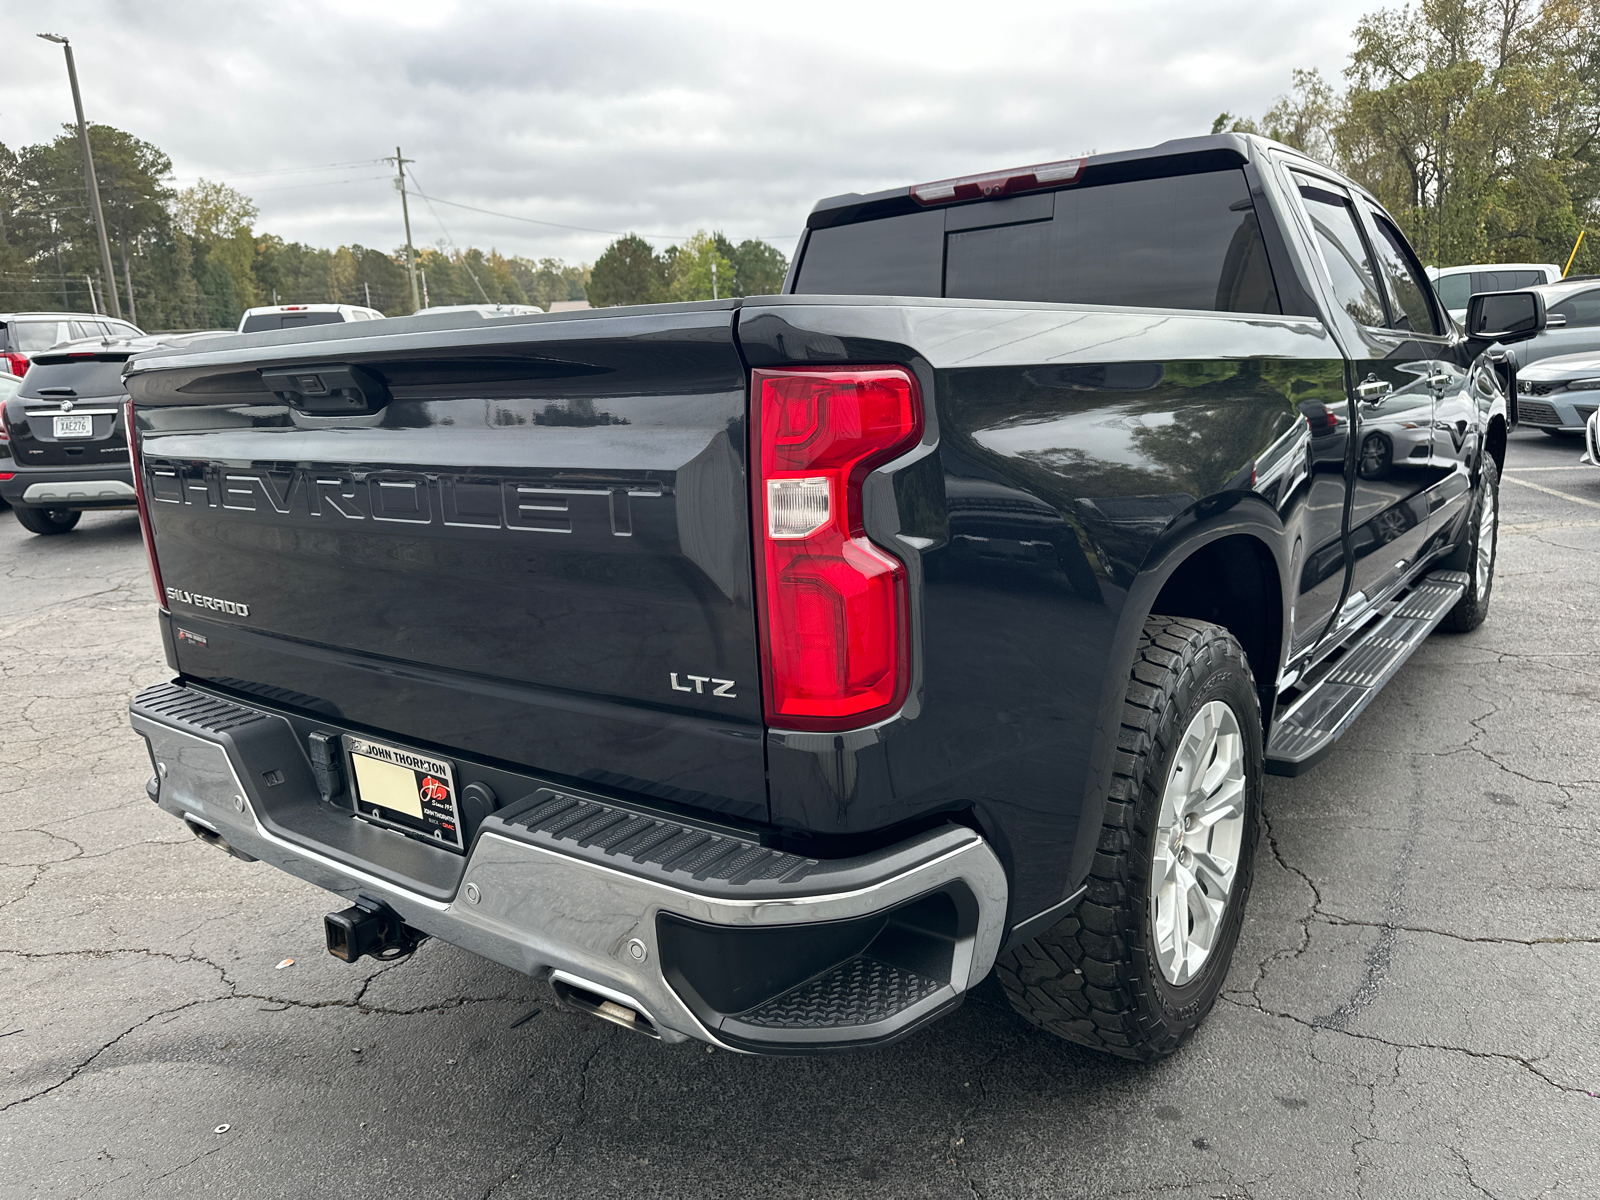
[{"x": 1307, "y": 730}]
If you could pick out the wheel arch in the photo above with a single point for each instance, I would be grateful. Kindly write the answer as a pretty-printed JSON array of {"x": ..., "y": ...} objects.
[{"x": 1238, "y": 537}]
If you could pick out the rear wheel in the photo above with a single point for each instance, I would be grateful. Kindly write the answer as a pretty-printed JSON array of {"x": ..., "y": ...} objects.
[
  {"x": 1139, "y": 963},
  {"x": 47, "y": 521},
  {"x": 1476, "y": 554}
]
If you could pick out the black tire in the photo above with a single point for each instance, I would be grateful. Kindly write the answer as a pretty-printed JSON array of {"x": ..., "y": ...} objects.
[
  {"x": 1093, "y": 978},
  {"x": 1377, "y": 456},
  {"x": 1473, "y": 607},
  {"x": 47, "y": 521}
]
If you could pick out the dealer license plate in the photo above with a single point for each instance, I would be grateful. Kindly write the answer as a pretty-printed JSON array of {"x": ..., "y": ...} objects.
[
  {"x": 409, "y": 790},
  {"x": 74, "y": 426}
]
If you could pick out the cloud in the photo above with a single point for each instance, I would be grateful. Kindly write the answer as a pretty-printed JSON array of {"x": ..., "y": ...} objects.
[{"x": 651, "y": 116}]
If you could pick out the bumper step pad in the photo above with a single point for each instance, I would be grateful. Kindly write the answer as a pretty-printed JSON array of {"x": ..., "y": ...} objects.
[
  {"x": 651, "y": 841},
  {"x": 1306, "y": 732},
  {"x": 859, "y": 992}
]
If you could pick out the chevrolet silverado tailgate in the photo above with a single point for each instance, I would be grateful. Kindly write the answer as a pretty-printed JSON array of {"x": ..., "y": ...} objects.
[{"x": 523, "y": 540}]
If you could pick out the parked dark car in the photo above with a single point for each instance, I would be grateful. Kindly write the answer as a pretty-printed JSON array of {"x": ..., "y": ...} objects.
[
  {"x": 767, "y": 671},
  {"x": 25, "y": 334},
  {"x": 64, "y": 427}
]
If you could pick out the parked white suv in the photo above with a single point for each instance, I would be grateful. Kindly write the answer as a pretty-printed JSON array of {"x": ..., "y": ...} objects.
[
  {"x": 1457, "y": 285},
  {"x": 294, "y": 316}
]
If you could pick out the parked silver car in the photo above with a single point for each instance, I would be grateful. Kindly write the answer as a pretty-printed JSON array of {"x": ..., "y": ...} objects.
[
  {"x": 1573, "y": 306},
  {"x": 1560, "y": 394}
]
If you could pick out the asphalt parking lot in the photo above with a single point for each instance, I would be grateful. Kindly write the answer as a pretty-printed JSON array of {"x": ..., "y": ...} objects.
[{"x": 1412, "y": 1011}]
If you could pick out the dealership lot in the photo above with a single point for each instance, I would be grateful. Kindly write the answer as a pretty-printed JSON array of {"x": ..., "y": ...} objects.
[{"x": 1410, "y": 1012}]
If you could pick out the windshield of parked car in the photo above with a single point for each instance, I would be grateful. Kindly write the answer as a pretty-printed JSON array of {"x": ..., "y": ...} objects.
[
  {"x": 1455, "y": 290},
  {"x": 84, "y": 376},
  {"x": 264, "y": 321}
]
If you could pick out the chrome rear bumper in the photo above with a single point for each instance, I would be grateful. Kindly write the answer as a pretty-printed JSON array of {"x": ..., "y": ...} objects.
[{"x": 706, "y": 942}]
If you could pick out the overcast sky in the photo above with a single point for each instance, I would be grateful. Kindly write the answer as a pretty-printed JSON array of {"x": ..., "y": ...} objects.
[{"x": 646, "y": 115}]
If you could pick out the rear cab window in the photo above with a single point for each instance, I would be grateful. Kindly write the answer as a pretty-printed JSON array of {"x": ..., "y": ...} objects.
[
  {"x": 262, "y": 322},
  {"x": 1182, "y": 241}
]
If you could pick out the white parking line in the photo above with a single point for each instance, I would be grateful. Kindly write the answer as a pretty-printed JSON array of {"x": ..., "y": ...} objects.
[
  {"x": 1525, "y": 470},
  {"x": 1539, "y": 487}
]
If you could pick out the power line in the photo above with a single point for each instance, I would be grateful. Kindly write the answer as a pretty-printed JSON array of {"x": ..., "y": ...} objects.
[
  {"x": 364, "y": 162},
  {"x": 666, "y": 237}
]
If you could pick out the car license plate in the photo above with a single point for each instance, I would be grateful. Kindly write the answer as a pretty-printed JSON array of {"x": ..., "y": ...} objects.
[
  {"x": 74, "y": 426},
  {"x": 409, "y": 790}
]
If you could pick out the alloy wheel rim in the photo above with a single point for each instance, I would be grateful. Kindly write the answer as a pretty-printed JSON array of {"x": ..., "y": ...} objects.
[
  {"x": 1198, "y": 836},
  {"x": 1487, "y": 519}
]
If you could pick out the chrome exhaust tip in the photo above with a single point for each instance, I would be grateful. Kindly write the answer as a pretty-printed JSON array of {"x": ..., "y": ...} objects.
[{"x": 585, "y": 997}]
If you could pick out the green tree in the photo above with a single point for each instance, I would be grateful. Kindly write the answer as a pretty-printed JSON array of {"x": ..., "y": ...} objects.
[
  {"x": 1476, "y": 122},
  {"x": 217, "y": 221},
  {"x": 698, "y": 268},
  {"x": 759, "y": 268},
  {"x": 629, "y": 272}
]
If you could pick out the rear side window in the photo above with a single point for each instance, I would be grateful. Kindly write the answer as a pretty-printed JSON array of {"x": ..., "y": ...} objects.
[
  {"x": 84, "y": 376},
  {"x": 265, "y": 321},
  {"x": 1188, "y": 241},
  {"x": 32, "y": 336},
  {"x": 1506, "y": 281},
  {"x": 1355, "y": 287},
  {"x": 1580, "y": 310}
]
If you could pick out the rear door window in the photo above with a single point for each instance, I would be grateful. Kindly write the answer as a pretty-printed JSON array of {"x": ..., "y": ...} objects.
[
  {"x": 1355, "y": 286},
  {"x": 1580, "y": 310},
  {"x": 1408, "y": 286}
]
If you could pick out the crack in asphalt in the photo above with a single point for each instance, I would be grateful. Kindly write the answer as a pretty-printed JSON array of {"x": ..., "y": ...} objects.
[{"x": 283, "y": 1003}]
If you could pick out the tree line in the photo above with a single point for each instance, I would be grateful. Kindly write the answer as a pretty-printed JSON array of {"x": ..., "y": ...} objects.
[
  {"x": 1475, "y": 122},
  {"x": 193, "y": 258}
]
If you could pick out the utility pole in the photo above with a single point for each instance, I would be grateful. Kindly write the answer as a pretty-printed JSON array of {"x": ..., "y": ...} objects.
[
  {"x": 405, "y": 211},
  {"x": 88, "y": 173}
]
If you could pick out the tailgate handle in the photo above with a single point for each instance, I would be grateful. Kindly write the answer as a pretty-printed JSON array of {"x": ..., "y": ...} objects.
[{"x": 328, "y": 391}]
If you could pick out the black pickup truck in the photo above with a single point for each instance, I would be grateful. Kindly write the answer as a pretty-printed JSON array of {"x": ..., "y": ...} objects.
[{"x": 768, "y": 671}]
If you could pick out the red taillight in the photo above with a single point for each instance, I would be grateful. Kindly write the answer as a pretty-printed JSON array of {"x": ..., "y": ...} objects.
[
  {"x": 998, "y": 183},
  {"x": 131, "y": 427},
  {"x": 834, "y": 608},
  {"x": 17, "y": 364}
]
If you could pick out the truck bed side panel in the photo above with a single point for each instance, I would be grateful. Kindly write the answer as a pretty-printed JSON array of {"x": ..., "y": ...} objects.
[{"x": 1071, "y": 442}]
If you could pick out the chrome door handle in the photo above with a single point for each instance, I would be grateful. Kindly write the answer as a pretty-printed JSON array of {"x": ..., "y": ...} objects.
[
  {"x": 1441, "y": 380},
  {"x": 1372, "y": 389}
]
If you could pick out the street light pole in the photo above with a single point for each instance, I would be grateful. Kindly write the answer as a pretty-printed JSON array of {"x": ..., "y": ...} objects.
[{"x": 110, "y": 287}]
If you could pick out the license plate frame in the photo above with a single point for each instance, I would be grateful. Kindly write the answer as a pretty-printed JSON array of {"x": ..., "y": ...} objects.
[
  {"x": 73, "y": 425},
  {"x": 373, "y": 768}
]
